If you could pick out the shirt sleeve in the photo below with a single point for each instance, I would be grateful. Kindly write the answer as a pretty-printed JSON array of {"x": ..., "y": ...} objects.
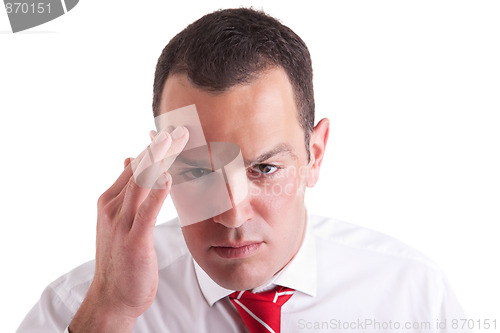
[
  {"x": 450, "y": 311},
  {"x": 49, "y": 315}
]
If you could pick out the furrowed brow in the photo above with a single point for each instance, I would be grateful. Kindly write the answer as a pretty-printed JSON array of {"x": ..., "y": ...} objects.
[
  {"x": 278, "y": 150},
  {"x": 194, "y": 163}
]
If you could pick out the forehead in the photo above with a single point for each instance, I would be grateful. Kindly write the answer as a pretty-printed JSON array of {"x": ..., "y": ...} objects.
[{"x": 254, "y": 115}]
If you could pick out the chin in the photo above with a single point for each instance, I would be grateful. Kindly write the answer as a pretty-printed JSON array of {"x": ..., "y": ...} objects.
[
  {"x": 242, "y": 279},
  {"x": 240, "y": 284}
]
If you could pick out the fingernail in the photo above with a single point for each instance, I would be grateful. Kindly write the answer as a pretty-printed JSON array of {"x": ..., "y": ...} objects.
[
  {"x": 160, "y": 137},
  {"x": 178, "y": 132},
  {"x": 166, "y": 180}
]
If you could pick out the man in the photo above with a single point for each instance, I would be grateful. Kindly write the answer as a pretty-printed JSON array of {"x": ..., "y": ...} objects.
[{"x": 250, "y": 80}]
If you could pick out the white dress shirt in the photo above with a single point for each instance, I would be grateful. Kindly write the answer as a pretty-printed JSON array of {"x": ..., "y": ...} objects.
[{"x": 346, "y": 279}]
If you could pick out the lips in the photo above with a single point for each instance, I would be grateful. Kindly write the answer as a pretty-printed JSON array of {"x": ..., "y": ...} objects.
[{"x": 236, "y": 251}]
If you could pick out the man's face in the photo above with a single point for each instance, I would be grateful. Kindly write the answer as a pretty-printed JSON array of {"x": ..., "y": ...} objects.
[{"x": 244, "y": 247}]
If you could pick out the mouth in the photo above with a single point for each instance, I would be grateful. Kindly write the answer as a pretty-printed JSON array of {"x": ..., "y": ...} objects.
[{"x": 237, "y": 251}]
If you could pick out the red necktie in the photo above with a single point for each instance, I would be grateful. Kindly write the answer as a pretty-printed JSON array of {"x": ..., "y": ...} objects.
[{"x": 261, "y": 312}]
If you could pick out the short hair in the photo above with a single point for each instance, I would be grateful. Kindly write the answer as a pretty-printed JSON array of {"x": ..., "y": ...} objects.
[{"x": 232, "y": 46}]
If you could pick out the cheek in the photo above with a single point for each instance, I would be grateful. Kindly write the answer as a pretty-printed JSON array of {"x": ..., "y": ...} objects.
[
  {"x": 282, "y": 196},
  {"x": 195, "y": 237},
  {"x": 281, "y": 205}
]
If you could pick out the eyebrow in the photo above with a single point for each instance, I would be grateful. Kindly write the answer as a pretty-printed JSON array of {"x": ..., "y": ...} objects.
[
  {"x": 198, "y": 164},
  {"x": 279, "y": 149}
]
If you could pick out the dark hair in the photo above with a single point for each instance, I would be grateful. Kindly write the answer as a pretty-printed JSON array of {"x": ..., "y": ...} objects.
[{"x": 232, "y": 46}]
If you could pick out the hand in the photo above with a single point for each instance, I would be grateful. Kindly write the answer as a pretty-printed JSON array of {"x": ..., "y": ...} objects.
[{"x": 126, "y": 268}]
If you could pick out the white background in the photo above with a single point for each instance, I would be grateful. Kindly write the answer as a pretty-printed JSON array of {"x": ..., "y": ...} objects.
[{"x": 412, "y": 90}]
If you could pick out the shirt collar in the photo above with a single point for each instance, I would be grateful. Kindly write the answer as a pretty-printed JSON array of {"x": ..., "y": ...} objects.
[{"x": 299, "y": 274}]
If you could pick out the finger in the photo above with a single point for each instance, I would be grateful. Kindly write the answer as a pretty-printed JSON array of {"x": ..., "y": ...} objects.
[
  {"x": 152, "y": 135},
  {"x": 180, "y": 135},
  {"x": 148, "y": 211},
  {"x": 156, "y": 160},
  {"x": 118, "y": 198},
  {"x": 118, "y": 185},
  {"x": 147, "y": 172},
  {"x": 149, "y": 168},
  {"x": 127, "y": 161}
]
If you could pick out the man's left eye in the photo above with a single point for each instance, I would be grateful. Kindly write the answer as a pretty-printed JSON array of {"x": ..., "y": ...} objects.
[{"x": 266, "y": 169}]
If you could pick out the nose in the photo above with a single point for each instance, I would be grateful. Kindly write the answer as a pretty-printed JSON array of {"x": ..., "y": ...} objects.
[{"x": 236, "y": 216}]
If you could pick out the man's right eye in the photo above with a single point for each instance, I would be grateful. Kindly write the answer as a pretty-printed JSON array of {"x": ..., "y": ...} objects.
[{"x": 195, "y": 173}]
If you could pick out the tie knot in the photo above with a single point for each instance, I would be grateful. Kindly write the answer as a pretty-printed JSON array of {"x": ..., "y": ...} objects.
[
  {"x": 279, "y": 295},
  {"x": 261, "y": 312}
]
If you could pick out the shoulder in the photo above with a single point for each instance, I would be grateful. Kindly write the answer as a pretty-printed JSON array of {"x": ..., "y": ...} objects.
[
  {"x": 364, "y": 240},
  {"x": 355, "y": 253},
  {"x": 358, "y": 263},
  {"x": 70, "y": 289}
]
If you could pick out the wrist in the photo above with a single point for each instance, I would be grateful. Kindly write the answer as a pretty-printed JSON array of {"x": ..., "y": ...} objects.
[{"x": 95, "y": 316}]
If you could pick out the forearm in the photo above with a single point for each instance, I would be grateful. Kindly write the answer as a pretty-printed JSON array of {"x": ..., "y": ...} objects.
[{"x": 94, "y": 317}]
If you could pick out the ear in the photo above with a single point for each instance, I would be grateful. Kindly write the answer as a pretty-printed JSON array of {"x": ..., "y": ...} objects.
[{"x": 317, "y": 146}]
